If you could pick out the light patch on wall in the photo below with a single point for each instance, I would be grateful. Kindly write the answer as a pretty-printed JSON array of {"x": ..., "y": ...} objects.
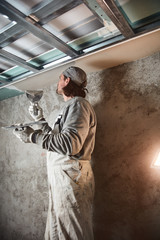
[{"x": 156, "y": 162}]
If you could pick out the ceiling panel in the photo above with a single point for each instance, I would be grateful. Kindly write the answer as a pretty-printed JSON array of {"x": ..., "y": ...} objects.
[
  {"x": 79, "y": 14},
  {"x": 75, "y": 31},
  {"x": 139, "y": 13},
  {"x": 4, "y": 21},
  {"x": 5, "y": 64},
  {"x": 8, "y": 93},
  {"x": 27, "y": 47},
  {"x": 13, "y": 72},
  {"x": 23, "y": 5}
]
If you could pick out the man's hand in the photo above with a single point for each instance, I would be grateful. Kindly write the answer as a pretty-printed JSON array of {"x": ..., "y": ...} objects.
[
  {"x": 36, "y": 112},
  {"x": 24, "y": 134}
]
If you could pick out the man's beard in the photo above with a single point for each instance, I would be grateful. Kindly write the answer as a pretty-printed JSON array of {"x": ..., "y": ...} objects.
[{"x": 58, "y": 92}]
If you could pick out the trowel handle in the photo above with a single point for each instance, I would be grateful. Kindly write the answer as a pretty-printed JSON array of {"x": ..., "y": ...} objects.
[
  {"x": 35, "y": 108},
  {"x": 35, "y": 111}
]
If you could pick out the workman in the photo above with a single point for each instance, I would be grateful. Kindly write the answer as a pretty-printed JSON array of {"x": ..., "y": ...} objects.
[{"x": 69, "y": 147}]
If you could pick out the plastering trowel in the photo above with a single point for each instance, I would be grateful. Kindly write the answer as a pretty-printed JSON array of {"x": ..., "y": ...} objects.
[{"x": 34, "y": 97}]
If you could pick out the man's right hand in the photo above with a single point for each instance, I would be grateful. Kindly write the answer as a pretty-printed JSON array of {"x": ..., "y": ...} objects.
[{"x": 36, "y": 112}]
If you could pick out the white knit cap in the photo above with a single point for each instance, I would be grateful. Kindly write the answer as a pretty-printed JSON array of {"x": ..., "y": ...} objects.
[{"x": 77, "y": 75}]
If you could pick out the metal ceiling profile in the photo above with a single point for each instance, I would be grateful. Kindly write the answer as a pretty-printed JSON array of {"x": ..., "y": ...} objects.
[
  {"x": 117, "y": 18},
  {"x": 30, "y": 25},
  {"x": 38, "y": 34}
]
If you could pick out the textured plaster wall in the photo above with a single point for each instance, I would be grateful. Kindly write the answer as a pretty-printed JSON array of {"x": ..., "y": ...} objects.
[{"x": 127, "y": 198}]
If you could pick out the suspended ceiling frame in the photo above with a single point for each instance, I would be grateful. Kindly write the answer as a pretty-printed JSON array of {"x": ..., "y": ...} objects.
[{"x": 32, "y": 25}]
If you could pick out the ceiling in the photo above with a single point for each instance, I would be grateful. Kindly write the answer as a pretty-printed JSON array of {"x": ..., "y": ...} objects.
[{"x": 36, "y": 36}]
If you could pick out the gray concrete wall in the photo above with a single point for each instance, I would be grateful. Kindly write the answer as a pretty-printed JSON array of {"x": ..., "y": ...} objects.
[{"x": 127, "y": 199}]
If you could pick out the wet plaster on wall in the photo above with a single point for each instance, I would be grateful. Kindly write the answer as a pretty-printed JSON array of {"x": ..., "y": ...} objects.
[
  {"x": 127, "y": 197},
  {"x": 23, "y": 176}
]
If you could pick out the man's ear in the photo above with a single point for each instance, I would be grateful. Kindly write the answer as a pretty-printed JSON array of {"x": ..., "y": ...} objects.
[{"x": 67, "y": 80}]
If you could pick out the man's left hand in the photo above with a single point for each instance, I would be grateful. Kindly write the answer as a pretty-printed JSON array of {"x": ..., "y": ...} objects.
[{"x": 24, "y": 134}]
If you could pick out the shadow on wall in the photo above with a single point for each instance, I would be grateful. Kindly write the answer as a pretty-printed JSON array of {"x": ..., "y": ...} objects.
[{"x": 127, "y": 196}]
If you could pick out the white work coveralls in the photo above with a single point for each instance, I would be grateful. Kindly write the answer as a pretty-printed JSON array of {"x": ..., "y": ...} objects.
[{"x": 71, "y": 181}]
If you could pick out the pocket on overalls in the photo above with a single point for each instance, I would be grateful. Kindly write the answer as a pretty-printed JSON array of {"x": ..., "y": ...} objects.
[{"x": 73, "y": 172}]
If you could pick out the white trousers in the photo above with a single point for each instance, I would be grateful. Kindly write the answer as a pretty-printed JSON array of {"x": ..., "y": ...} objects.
[{"x": 71, "y": 192}]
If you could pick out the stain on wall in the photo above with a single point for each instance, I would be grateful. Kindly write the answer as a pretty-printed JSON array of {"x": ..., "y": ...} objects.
[{"x": 127, "y": 198}]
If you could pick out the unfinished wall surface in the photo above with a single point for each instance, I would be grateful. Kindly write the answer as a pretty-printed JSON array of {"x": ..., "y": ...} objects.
[{"x": 127, "y": 197}]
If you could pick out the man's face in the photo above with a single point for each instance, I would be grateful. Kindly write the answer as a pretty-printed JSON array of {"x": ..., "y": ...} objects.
[{"x": 61, "y": 84}]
